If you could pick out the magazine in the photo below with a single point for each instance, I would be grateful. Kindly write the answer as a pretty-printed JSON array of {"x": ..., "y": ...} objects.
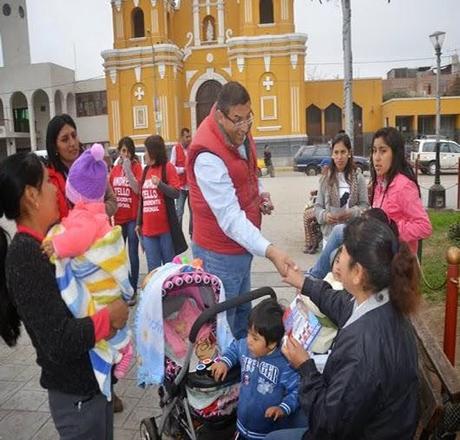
[{"x": 299, "y": 321}]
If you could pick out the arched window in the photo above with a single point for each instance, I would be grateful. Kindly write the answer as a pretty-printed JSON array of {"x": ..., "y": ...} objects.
[
  {"x": 333, "y": 120},
  {"x": 137, "y": 17},
  {"x": 314, "y": 124},
  {"x": 266, "y": 11}
]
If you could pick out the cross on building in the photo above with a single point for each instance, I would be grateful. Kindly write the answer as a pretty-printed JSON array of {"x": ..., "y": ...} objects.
[
  {"x": 139, "y": 93},
  {"x": 268, "y": 83}
]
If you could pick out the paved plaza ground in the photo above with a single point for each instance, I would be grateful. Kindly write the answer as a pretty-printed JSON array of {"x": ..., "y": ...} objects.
[{"x": 24, "y": 413}]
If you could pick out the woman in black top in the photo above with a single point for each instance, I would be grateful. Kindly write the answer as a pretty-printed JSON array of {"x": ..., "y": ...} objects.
[
  {"x": 29, "y": 293},
  {"x": 369, "y": 386}
]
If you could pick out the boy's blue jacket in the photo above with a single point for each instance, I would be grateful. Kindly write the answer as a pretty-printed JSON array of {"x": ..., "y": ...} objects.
[{"x": 266, "y": 381}]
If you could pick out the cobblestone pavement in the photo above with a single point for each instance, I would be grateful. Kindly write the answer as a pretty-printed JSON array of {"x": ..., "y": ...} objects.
[{"x": 24, "y": 412}]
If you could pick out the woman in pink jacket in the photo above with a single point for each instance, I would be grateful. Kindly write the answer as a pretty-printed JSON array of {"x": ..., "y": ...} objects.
[{"x": 394, "y": 187}]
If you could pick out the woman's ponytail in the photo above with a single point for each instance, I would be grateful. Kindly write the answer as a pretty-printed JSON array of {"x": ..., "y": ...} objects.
[
  {"x": 9, "y": 318},
  {"x": 405, "y": 280}
]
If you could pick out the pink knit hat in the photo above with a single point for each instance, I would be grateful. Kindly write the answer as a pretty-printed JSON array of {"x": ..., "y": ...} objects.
[{"x": 87, "y": 179}]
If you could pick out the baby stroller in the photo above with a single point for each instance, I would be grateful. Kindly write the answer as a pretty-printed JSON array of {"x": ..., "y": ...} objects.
[{"x": 193, "y": 405}]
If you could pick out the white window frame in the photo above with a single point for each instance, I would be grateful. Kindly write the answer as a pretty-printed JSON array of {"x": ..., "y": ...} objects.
[
  {"x": 140, "y": 117},
  {"x": 272, "y": 117}
]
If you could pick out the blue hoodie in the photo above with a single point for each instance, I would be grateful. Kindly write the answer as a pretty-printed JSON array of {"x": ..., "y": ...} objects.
[{"x": 266, "y": 381}]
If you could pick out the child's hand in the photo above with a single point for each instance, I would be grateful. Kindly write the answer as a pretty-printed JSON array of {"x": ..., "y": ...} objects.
[
  {"x": 48, "y": 248},
  {"x": 219, "y": 371},
  {"x": 274, "y": 412},
  {"x": 294, "y": 277}
]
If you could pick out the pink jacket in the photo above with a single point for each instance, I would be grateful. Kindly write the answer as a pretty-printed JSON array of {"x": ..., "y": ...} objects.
[
  {"x": 403, "y": 205},
  {"x": 86, "y": 223}
]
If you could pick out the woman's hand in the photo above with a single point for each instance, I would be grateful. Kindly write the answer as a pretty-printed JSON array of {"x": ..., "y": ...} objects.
[
  {"x": 156, "y": 180},
  {"x": 331, "y": 219},
  {"x": 346, "y": 216},
  {"x": 294, "y": 352},
  {"x": 48, "y": 248},
  {"x": 294, "y": 277},
  {"x": 118, "y": 313}
]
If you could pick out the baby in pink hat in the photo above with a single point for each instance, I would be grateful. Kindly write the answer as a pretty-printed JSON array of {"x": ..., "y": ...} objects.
[{"x": 96, "y": 259}]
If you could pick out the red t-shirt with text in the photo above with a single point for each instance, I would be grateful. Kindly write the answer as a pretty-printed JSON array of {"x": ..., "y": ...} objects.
[
  {"x": 154, "y": 215},
  {"x": 127, "y": 199}
]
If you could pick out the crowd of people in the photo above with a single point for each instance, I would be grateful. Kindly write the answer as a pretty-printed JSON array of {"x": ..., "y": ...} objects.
[{"x": 368, "y": 388}]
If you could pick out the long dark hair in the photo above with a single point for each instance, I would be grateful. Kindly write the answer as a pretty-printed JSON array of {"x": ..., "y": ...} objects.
[
  {"x": 155, "y": 146},
  {"x": 349, "y": 168},
  {"x": 16, "y": 172},
  {"x": 129, "y": 144},
  {"x": 399, "y": 164},
  {"x": 386, "y": 262},
  {"x": 52, "y": 133}
]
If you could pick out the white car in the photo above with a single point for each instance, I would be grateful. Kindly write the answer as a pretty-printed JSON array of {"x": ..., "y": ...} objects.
[{"x": 425, "y": 151}]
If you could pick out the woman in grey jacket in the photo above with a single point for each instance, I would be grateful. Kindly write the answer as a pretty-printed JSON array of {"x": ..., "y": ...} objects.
[{"x": 342, "y": 193}]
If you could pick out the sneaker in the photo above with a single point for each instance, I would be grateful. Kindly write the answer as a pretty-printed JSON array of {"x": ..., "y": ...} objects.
[{"x": 117, "y": 404}]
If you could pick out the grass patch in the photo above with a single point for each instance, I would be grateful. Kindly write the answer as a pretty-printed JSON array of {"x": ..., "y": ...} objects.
[{"x": 434, "y": 263}]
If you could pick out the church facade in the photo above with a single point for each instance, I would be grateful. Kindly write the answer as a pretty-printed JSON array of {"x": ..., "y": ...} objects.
[{"x": 171, "y": 58}]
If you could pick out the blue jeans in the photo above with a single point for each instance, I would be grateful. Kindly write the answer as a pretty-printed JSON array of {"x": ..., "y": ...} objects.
[
  {"x": 323, "y": 264},
  {"x": 235, "y": 274},
  {"x": 129, "y": 235},
  {"x": 159, "y": 250},
  {"x": 180, "y": 205}
]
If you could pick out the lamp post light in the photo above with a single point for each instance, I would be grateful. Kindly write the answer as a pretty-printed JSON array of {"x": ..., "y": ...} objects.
[{"x": 437, "y": 193}]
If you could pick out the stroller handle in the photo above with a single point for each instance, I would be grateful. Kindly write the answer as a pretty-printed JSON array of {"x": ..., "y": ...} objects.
[{"x": 210, "y": 313}]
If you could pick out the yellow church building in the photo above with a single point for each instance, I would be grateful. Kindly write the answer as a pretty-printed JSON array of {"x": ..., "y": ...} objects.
[{"x": 171, "y": 58}]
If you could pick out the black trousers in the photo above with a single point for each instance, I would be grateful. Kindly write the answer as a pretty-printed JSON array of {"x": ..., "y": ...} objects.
[{"x": 80, "y": 417}]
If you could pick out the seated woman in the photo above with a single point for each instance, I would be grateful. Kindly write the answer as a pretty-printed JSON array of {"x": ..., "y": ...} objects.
[
  {"x": 369, "y": 387},
  {"x": 342, "y": 193},
  {"x": 394, "y": 189}
]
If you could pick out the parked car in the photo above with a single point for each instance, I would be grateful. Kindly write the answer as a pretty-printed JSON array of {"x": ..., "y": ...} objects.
[
  {"x": 308, "y": 158},
  {"x": 425, "y": 151}
]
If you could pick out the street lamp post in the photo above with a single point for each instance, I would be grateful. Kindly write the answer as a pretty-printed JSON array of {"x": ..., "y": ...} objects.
[{"x": 437, "y": 193}]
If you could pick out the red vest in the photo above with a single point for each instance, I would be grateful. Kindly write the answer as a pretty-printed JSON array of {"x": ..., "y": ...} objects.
[
  {"x": 180, "y": 162},
  {"x": 243, "y": 173}
]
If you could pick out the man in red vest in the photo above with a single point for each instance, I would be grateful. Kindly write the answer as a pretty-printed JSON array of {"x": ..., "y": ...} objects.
[
  {"x": 178, "y": 158},
  {"x": 226, "y": 200}
]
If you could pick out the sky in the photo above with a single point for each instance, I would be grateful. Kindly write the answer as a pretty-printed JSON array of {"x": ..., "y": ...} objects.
[{"x": 384, "y": 35}]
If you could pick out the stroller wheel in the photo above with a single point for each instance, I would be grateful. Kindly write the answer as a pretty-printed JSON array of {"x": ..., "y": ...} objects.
[{"x": 149, "y": 429}]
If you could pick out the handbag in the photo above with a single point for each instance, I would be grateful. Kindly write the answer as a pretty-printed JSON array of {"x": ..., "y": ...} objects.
[{"x": 178, "y": 239}]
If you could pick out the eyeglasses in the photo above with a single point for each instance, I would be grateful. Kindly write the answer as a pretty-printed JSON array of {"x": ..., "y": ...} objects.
[{"x": 240, "y": 124}]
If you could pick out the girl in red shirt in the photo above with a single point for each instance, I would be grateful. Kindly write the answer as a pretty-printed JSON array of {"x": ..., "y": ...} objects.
[
  {"x": 125, "y": 179},
  {"x": 160, "y": 180}
]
